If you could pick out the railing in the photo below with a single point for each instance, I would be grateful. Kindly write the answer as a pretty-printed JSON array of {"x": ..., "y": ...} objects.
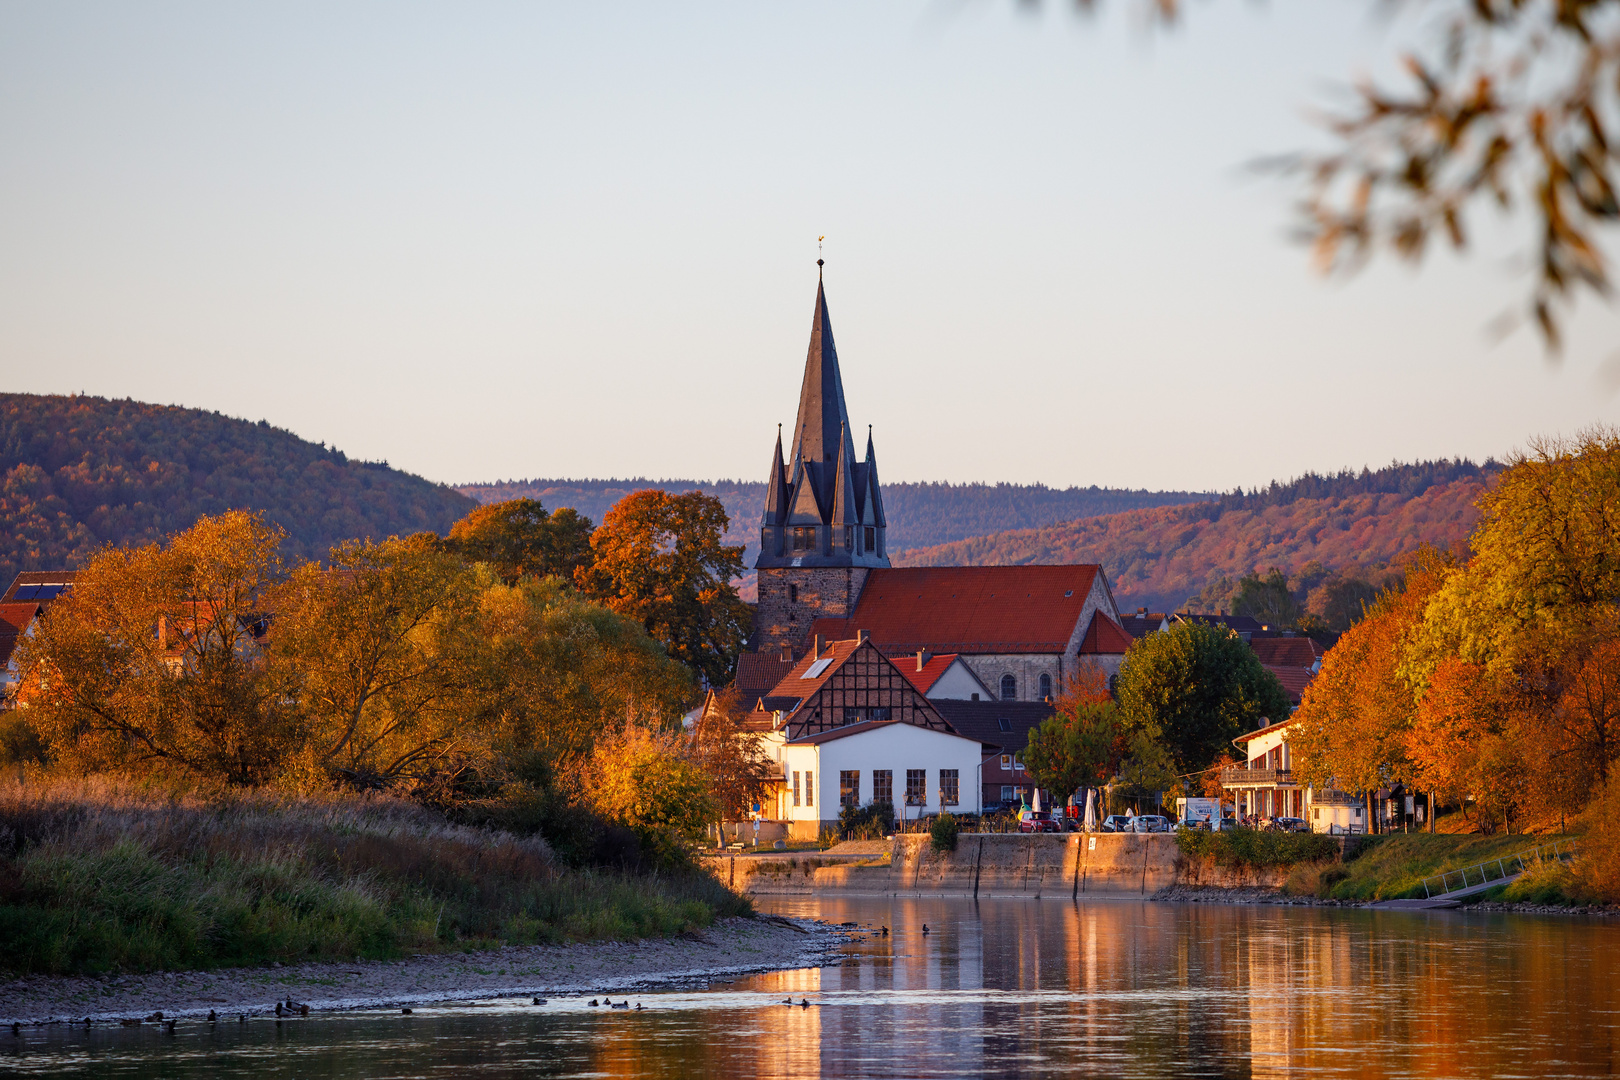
[
  {"x": 1238, "y": 776},
  {"x": 1560, "y": 850}
]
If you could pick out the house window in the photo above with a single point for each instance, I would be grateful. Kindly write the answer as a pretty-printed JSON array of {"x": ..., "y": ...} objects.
[
  {"x": 795, "y": 788},
  {"x": 916, "y": 787},
  {"x": 1006, "y": 763},
  {"x": 871, "y": 538},
  {"x": 1018, "y": 763},
  {"x": 883, "y": 785},
  {"x": 793, "y": 594},
  {"x": 1009, "y": 688},
  {"x": 1007, "y": 793},
  {"x": 950, "y": 788},
  {"x": 1046, "y": 686},
  {"x": 809, "y": 788},
  {"x": 1003, "y": 724},
  {"x": 849, "y": 788},
  {"x": 851, "y": 715},
  {"x": 880, "y": 714}
]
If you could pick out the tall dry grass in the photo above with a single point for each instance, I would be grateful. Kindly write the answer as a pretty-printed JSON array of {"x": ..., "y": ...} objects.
[{"x": 101, "y": 874}]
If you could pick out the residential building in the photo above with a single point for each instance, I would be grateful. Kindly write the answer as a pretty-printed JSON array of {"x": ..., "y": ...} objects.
[
  {"x": 1002, "y": 729},
  {"x": 1264, "y": 786}
]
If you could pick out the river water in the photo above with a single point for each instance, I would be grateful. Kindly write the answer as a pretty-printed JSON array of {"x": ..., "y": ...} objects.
[{"x": 1005, "y": 988}]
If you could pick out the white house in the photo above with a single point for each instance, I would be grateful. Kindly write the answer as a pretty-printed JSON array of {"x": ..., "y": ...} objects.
[
  {"x": 854, "y": 729},
  {"x": 1264, "y": 786}
]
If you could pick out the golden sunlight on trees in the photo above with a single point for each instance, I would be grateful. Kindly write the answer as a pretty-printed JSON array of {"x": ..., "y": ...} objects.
[
  {"x": 1494, "y": 682},
  {"x": 155, "y": 659},
  {"x": 659, "y": 560},
  {"x": 519, "y": 538},
  {"x": 642, "y": 779},
  {"x": 734, "y": 758}
]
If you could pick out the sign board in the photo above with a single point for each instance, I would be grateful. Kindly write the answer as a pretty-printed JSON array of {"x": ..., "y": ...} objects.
[{"x": 1206, "y": 810}]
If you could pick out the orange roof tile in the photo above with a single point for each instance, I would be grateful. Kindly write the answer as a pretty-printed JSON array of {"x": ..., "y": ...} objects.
[
  {"x": 925, "y": 679},
  {"x": 1294, "y": 680},
  {"x": 968, "y": 609},
  {"x": 1286, "y": 651},
  {"x": 1105, "y": 637}
]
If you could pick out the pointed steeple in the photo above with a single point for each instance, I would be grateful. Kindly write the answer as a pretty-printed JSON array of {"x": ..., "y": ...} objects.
[
  {"x": 822, "y": 415},
  {"x": 872, "y": 490},
  {"x": 823, "y": 491},
  {"x": 776, "y": 489}
]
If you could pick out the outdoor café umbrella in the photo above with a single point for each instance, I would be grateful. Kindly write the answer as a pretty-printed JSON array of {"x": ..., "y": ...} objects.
[
  {"x": 1037, "y": 806},
  {"x": 1091, "y": 813}
]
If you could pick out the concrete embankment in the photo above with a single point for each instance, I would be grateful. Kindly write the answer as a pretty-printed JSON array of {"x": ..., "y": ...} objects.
[{"x": 990, "y": 865}]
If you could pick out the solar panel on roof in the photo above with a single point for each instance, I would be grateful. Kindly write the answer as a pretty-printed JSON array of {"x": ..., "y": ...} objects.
[{"x": 817, "y": 668}]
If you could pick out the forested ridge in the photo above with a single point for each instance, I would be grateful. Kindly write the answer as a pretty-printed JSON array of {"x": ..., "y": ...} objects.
[
  {"x": 80, "y": 472},
  {"x": 919, "y": 514},
  {"x": 1351, "y": 523}
]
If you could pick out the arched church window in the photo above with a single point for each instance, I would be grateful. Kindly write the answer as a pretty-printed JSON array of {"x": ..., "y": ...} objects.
[
  {"x": 1046, "y": 686},
  {"x": 1009, "y": 688}
]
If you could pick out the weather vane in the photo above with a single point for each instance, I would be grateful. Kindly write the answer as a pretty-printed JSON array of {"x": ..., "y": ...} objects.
[{"x": 819, "y": 239}]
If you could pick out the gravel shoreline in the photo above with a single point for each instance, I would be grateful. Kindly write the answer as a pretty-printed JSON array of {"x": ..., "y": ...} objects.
[
  {"x": 1215, "y": 894},
  {"x": 729, "y": 947}
]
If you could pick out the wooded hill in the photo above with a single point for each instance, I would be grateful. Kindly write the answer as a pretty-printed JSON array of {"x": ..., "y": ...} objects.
[
  {"x": 1350, "y": 523},
  {"x": 920, "y": 515},
  {"x": 79, "y": 472}
]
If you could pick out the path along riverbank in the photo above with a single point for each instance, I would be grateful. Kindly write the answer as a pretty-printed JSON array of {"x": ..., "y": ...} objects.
[{"x": 729, "y": 947}]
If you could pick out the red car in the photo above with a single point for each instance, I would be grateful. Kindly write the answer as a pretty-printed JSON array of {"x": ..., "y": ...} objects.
[{"x": 1037, "y": 821}]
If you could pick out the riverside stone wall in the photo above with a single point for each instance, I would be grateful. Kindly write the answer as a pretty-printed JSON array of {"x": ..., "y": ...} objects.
[{"x": 992, "y": 865}]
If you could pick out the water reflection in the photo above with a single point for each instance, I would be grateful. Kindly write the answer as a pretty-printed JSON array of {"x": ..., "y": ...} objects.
[{"x": 1000, "y": 988}]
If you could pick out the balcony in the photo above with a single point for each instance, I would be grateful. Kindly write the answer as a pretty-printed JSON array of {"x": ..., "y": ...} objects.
[{"x": 1242, "y": 777}]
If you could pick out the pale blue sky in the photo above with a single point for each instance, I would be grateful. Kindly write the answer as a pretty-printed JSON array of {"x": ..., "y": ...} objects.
[{"x": 486, "y": 240}]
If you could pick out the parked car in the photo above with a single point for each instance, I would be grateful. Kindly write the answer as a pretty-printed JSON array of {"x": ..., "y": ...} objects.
[
  {"x": 1290, "y": 824},
  {"x": 1152, "y": 823},
  {"x": 1116, "y": 823},
  {"x": 1073, "y": 824},
  {"x": 1033, "y": 821}
]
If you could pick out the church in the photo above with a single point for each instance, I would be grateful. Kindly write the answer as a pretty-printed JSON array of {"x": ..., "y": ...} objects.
[{"x": 825, "y": 575}]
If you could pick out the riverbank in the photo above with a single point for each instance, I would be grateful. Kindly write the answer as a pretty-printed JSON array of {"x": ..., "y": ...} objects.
[
  {"x": 102, "y": 876},
  {"x": 732, "y": 946}
]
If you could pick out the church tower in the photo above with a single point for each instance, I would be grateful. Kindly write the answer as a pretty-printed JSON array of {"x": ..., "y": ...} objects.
[{"x": 823, "y": 527}]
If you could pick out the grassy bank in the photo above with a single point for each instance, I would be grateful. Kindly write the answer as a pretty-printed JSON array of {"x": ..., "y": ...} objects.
[
  {"x": 1392, "y": 867},
  {"x": 97, "y": 875}
]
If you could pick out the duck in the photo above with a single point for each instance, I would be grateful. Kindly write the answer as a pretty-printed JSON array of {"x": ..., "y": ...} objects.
[
  {"x": 212, "y": 1017},
  {"x": 169, "y": 1027},
  {"x": 804, "y": 1003},
  {"x": 405, "y": 1012},
  {"x": 885, "y": 931},
  {"x": 16, "y": 1028},
  {"x": 925, "y": 928},
  {"x": 278, "y": 1008},
  {"x": 296, "y": 1007},
  {"x": 242, "y": 1019},
  {"x": 593, "y": 1003},
  {"x": 787, "y": 1001},
  {"x": 539, "y": 1001},
  {"x": 155, "y": 1016},
  {"x": 625, "y": 1005},
  {"x": 639, "y": 1006}
]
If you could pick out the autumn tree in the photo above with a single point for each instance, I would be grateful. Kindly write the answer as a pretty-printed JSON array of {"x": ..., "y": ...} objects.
[
  {"x": 731, "y": 755},
  {"x": 1268, "y": 599},
  {"x": 1080, "y": 745},
  {"x": 557, "y": 671},
  {"x": 155, "y": 659},
  {"x": 1195, "y": 688},
  {"x": 1353, "y": 724},
  {"x": 659, "y": 559},
  {"x": 381, "y": 652},
  {"x": 519, "y": 538},
  {"x": 642, "y": 779}
]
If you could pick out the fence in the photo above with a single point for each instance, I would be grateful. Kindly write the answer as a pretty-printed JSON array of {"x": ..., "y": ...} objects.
[{"x": 1560, "y": 850}]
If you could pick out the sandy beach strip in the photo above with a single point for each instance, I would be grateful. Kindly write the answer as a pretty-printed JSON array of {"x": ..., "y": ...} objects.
[{"x": 728, "y": 948}]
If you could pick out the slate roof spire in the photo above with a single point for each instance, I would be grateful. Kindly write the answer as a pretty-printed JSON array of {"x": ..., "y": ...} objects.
[{"x": 823, "y": 486}]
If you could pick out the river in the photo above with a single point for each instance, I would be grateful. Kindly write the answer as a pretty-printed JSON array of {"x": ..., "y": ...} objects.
[{"x": 1005, "y": 988}]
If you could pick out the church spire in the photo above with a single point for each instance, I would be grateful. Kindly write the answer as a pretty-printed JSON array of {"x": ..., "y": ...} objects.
[{"x": 823, "y": 490}]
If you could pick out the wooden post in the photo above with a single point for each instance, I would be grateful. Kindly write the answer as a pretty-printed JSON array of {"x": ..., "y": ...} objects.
[{"x": 1431, "y": 813}]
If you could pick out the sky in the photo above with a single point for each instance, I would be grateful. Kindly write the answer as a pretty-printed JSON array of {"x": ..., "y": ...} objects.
[{"x": 490, "y": 241}]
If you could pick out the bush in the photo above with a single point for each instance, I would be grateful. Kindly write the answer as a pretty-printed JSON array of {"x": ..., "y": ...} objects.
[
  {"x": 873, "y": 821},
  {"x": 1250, "y": 847},
  {"x": 942, "y": 833}
]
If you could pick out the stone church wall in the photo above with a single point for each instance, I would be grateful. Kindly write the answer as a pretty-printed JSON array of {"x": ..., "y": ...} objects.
[{"x": 782, "y": 618}]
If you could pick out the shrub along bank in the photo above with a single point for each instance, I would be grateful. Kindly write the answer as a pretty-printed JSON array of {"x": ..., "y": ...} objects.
[
  {"x": 1394, "y": 866},
  {"x": 1236, "y": 848},
  {"x": 98, "y": 876}
]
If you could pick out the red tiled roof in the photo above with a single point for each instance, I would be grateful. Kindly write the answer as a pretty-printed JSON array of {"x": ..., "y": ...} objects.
[
  {"x": 925, "y": 679},
  {"x": 1294, "y": 680},
  {"x": 758, "y": 672},
  {"x": 795, "y": 685},
  {"x": 1105, "y": 637},
  {"x": 968, "y": 609},
  {"x": 1286, "y": 651},
  {"x": 847, "y": 730},
  {"x": 14, "y": 618}
]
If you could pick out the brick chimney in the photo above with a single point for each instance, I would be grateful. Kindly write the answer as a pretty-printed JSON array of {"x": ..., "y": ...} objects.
[
  {"x": 923, "y": 656},
  {"x": 862, "y": 635},
  {"x": 815, "y": 649}
]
